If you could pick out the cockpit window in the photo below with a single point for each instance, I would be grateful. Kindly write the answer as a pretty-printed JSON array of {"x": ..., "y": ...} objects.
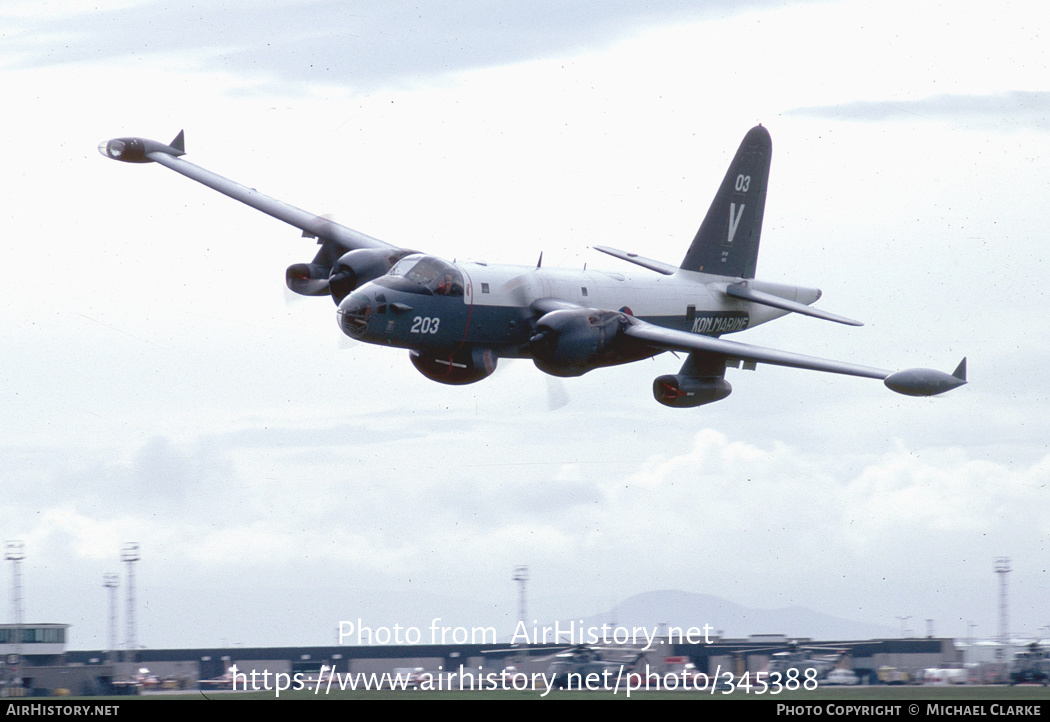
[{"x": 438, "y": 277}]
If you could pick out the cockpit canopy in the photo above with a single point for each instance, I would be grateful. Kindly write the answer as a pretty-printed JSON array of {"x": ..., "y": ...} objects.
[{"x": 424, "y": 274}]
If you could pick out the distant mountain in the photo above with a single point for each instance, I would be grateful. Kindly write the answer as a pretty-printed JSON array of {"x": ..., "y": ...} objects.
[{"x": 729, "y": 620}]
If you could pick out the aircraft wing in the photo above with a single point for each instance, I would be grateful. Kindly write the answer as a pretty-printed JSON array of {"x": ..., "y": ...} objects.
[
  {"x": 912, "y": 382},
  {"x": 142, "y": 150}
]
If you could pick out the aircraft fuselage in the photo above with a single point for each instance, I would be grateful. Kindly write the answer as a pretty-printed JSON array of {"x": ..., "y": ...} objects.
[{"x": 454, "y": 305}]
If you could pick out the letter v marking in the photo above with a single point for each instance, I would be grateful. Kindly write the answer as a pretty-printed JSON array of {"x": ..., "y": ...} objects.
[{"x": 734, "y": 219}]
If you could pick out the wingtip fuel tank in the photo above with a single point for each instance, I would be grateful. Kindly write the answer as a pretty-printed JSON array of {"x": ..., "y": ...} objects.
[
  {"x": 926, "y": 382},
  {"x": 138, "y": 150}
]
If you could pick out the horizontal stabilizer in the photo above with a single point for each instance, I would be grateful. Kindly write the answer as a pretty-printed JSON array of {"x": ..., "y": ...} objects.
[
  {"x": 745, "y": 293},
  {"x": 659, "y": 266}
]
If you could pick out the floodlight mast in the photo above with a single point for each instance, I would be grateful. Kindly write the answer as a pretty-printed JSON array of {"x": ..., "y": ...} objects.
[
  {"x": 902, "y": 620},
  {"x": 111, "y": 582},
  {"x": 14, "y": 552},
  {"x": 521, "y": 576},
  {"x": 129, "y": 555},
  {"x": 1002, "y": 568}
]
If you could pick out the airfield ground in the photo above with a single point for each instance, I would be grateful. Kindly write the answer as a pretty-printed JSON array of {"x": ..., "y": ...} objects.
[{"x": 1026, "y": 694}]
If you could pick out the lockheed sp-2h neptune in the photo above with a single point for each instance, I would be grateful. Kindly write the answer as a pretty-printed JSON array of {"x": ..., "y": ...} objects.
[{"x": 458, "y": 319}]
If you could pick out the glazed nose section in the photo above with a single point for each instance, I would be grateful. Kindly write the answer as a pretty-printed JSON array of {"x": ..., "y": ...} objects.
[
  {"x": 354, "y": 313},
  {"x": 112, "y": 149},
  {"x": 131, "y": 150}
]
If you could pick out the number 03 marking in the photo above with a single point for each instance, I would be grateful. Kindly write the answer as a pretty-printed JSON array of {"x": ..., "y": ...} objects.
[
  {"x": 425, "y": 324},
  {"x": 743, "y": 182}
]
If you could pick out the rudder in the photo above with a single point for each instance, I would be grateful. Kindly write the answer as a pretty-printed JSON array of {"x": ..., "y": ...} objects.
[{"x": 727, "y": 242}]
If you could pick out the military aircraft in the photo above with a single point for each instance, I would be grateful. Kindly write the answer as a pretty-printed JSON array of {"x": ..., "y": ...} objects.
[
  {"x": 822, "y": 659},
  {"x": 580, "y": 660},
  {"x": 458, "y": 319},
  {"x": 1031, "y": 665}
]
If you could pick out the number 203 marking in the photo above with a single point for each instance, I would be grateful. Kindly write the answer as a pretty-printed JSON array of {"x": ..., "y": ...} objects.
[{"x": 425, "y": 324}]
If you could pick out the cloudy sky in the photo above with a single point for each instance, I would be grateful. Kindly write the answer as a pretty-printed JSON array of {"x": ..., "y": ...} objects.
[{"x": 158, "y": 388}]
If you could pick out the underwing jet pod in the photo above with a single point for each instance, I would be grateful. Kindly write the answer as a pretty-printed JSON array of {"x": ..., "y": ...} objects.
[{"x": 458, "y": 319}]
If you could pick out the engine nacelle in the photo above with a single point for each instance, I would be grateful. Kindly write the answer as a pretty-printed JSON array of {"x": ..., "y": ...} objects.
[
  {"x": 307, "y": 279},
  {"x": 683, "y": 392},
  {"x": 360, "y": 266},
  {"x": 573, "y": 341},
  {"x": 463, "y": 367},
  {"x": 352, "y": 269}
]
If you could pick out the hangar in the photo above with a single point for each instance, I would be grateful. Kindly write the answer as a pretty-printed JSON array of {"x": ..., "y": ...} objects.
[{"x": 49, "y": 667}]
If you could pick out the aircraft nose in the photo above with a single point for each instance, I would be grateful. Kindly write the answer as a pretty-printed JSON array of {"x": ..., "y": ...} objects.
[
  {"x": 112, "y": 149},
  {"x": 354, "y": 313}
]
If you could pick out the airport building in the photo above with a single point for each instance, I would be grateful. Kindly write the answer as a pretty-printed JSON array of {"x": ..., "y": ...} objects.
[
  {"x": 38, "y": 644},
  {"x": 48, "y": 668}
]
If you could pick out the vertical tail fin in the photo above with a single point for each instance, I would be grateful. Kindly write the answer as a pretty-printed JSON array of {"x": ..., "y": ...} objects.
[{"x": 727, "y": 242}]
